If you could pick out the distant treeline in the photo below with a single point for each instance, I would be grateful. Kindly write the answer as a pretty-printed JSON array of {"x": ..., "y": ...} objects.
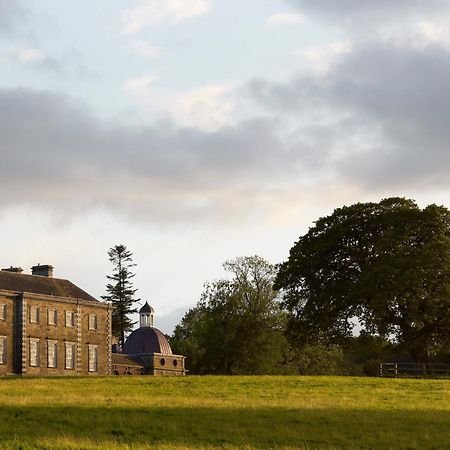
[{"x": 379, "y": 270}]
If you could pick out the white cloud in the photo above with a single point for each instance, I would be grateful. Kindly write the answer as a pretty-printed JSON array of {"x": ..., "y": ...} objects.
[
  {"x": 26, "y": 54},
  {"x": 206, "y": 108},
  {"x": 146, "y": 50},
  {"x": 140, "y": 86},
  {"x": 435, "y": 32},
  {"x": 150, "y": 12},
  {"x": 30, "y": 54},
  {"x": 431, "y": 31},
  {"x": 320, "y": 59},
  {"x": 285, "y": 19}
]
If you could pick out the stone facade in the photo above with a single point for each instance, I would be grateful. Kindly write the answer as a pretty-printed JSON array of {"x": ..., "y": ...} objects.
[
  {"x": 167, "y": 365},
  {"x": 46, "y": 335},
  {"x": 157, "y": 364}
]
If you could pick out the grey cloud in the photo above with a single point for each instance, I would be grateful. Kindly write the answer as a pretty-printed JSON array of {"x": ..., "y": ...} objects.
[
  {"x": 10, "y": 14},
  {"x": 55, "y": 153},
  {"x": 365, "y": 17},
  {"x": 369, "y": 8},
  {"x": 50, "y": 65},
  {"x": 406, "y": 93},
  {"x": 343, "y": 6},
  {"x": 386, "y": 109},
  {"x": 167, "y": 322},
  {"x": 378, "y": 120}
]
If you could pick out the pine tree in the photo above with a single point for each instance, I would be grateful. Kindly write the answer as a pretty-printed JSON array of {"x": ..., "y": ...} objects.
[{"x": 120, "y": 291}]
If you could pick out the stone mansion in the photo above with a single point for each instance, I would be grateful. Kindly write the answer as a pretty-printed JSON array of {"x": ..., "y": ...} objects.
[{"x": 49, "y": 326}]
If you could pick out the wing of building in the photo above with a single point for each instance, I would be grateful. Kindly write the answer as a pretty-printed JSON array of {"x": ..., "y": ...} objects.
[
  {"x": 49, "y": 326},
  {"x": 147, "y": 351}
]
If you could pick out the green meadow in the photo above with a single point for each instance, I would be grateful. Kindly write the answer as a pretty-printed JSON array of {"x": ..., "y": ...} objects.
[{"x": 224, "y": 412}]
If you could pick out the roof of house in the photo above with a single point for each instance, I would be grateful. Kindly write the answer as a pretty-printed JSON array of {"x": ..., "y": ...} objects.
[
  {"x": 146, "y": 340},
  {"x": 18, "y": 282},
  {"x": 126, "y": 360}
]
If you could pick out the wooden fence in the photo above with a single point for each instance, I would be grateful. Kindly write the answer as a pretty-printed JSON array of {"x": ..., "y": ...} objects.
[{"x": 414, "y": 370}]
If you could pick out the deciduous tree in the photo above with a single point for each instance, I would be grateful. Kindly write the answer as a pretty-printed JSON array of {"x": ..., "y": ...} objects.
[
  {"x": 385, "y": 265},
  {"x": 237, "y": 326}
]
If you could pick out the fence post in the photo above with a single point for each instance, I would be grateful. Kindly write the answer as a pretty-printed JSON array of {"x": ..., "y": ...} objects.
[
  {"x": 396, "y": 370},
  {"x": 381, "y": 369}
]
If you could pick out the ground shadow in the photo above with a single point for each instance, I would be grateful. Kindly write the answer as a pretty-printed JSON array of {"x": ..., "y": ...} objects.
[{"x": 200, "y": 427}]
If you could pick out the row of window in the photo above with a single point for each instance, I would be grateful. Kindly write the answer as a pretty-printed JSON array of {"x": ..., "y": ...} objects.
[
  {"x": 69, "y": 318},
  {"x": 70, "y": 351},
  {"x": 52, "y": 317}
]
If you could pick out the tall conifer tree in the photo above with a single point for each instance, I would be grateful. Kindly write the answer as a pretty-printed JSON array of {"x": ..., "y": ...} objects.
[{"x": 120, "y": 291}]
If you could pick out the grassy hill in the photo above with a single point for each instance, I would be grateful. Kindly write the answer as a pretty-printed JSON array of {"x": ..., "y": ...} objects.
[{"x": 224, "y": 412}]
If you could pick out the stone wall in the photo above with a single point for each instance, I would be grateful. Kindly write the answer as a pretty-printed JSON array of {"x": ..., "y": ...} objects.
[
  {"x": 22, "y": 331},
  {"x": 162, "y": 364},
  {"x": 7, "y": 330},
  {"x": 158, "y": 364}
]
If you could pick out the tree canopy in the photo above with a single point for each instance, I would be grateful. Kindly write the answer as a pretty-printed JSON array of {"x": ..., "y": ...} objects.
[
  {"x": 237, "y": 326},
  {"x": 385, "y": 266},
  {"x": 120, "y": 292}
]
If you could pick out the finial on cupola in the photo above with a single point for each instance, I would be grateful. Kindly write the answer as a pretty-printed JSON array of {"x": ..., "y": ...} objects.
[{"x": 146, "y": 314}]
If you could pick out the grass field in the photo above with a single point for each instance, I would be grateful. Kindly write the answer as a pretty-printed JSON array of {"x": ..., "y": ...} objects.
[{"x": 224, "y": 412}]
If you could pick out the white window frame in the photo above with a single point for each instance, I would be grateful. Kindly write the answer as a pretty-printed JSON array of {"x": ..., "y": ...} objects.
[
  {"x": 52, "y": 317},
  {"x": 92, "y": 358},
  {"x": 52, "y": 354},
  {"x": 34, "y": 314},
  {"x": 69, "y": 357},
  {"x": 93, "y": 326},
  {"x": 37, "y": 361},
  {"x": 3, "y": 350},
  {"x": 69, "y": 323},
  {"x": 3, "y": 310}
]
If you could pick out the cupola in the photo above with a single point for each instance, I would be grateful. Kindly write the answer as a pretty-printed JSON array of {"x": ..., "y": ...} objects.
[
  {"x": 146, "y": 339},
  {"x": 146, "y": 315}
]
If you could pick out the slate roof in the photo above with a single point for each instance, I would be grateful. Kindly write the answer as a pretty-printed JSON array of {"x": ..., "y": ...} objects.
[
  {"x": 146, "y": 340},
  {"x": 146, "y": 309},
  {"x": 126, "y": 360},
  {"x": 18, "y": 282}
]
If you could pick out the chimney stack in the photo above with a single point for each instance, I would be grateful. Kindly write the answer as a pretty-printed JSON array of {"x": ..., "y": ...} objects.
[
  {"x": 13, "y": 269},
  {"x": 42, "y": 271}
]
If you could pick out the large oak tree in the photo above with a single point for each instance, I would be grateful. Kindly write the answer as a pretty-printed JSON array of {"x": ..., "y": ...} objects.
[{"x": 383, "y": 265}]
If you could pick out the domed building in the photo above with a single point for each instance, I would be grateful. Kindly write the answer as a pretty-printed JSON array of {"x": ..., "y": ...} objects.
[{"x": 147, "y": 351}]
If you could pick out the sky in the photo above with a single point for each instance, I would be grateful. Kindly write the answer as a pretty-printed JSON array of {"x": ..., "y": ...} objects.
[{"x": 198, "y": 131}]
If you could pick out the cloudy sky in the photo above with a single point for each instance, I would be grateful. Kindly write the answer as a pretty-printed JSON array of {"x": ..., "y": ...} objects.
[{"x": 195, "y": 131}]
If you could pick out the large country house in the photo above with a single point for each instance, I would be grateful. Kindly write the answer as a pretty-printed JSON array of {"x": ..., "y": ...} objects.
[{"x": 49, "y": 326}]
